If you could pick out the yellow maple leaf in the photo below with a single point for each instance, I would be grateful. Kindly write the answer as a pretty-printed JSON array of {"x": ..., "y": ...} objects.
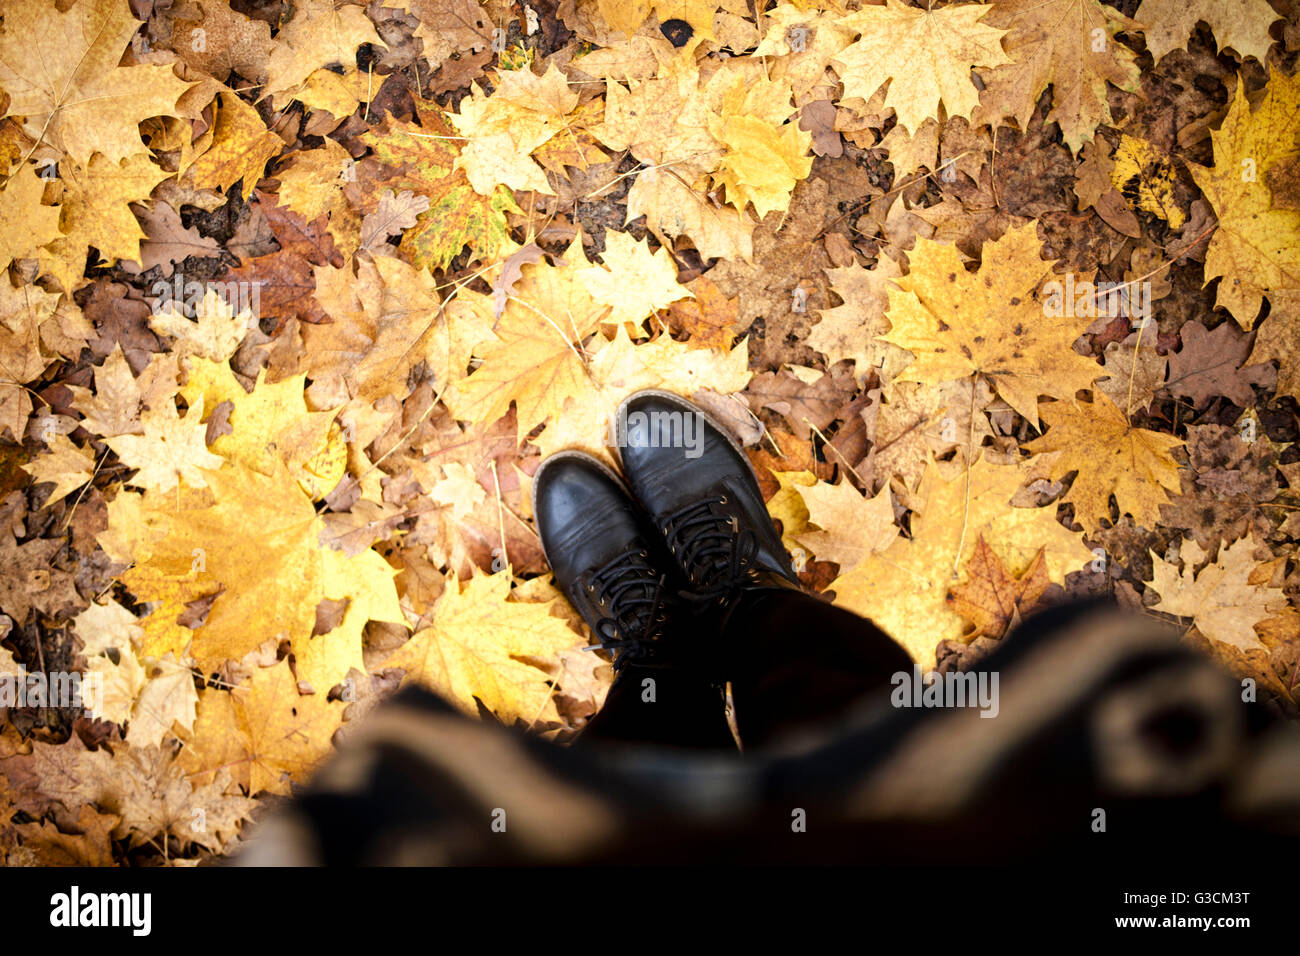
[
  {"x": 458, "y": 489},
  {"x": 25, "y": 224},
  {"x": 633, "y": 281},
  {"x": 114, "y": 406},
  {"x": 1136, "y": 159},
  {"x": 60, "y": 69},
  {"x": 851, "y": 526},
  {"x": 24, "y": 311},
  {"x": 312, "y": 184},
  {"x": 671, "y": 208},
  {"x": 109, "y": 635},
  {"x": 765, "y": 156},
  {"x": 709, "y": 318},
  {"x": 787, "y": 506},
  {"x": 1111, "y": 457},
  {"x": 214, "y": 334},
  {"x": 1069, "y": 45},
  {"x": 663, "y": 121},
  {"x": 479, "y": 644},
  {"x": 763, "y": 162},
  {"x": 503, "y": 129},
  {"x": 365, "y": 583},
  {"x": 384, "y": 324},
  {"x": 109, "y": 626},
  {"x": 285, "y": 734},
  {"x": 171, "y": 449},
  {"x": 904, "y": 588},
  {"x": 337, "y": 95},
  {"x": 270, "y": 423},
  {"x": 257, "y": 547},
  {"x": 535, "y": 358},
  {"x": 626, "y": 16},
  {"x": 989, "y": 323},
  {"x": 800, "y": 42},
  {"x": 918, "y": 420},
  {"x": 482, "y": 645},
  {"x": 321, "y": 33},
  {"x": 1222, "y": 600},
  {"x": 167, "y": 698},
  {"x": 136, "y": 522},
  {"x": 59, "y": 322},
  {"x": 96, "y": 212},
  {"x": 926, "y": 55},
  {"x": 575, "y": 145},
  {"x": 170, "y": 596},
  {"x": 238, "y": 146},
  {"x": 64, "y": 464},
  {"x": 1238, "y": 24},
  {"x": 852, "y": 330},
  {"x": 1256, "y": 248},
  {"x": 211, "y": 746}
]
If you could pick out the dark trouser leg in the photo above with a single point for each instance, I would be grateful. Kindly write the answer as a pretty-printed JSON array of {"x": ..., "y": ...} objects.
[
  {"x": 797, "y": 662},
  {"x": 663, "y": 707}
]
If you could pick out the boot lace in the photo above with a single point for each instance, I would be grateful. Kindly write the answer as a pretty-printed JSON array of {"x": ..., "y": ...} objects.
[
  {"x": 716, "y": 553},
  {"x": 632, "y": 592}
]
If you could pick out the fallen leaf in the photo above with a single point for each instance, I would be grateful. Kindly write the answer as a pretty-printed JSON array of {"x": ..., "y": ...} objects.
[
  {"x": 1111, "y": 457},
  {"x": 991, "y": 598},
  {"x": 1220, "y": 598}
]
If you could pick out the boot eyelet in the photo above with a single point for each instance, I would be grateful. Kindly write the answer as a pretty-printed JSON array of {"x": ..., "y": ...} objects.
[
  {"x": 722, "y": 500},
  {"x": 645, "y": 554}
]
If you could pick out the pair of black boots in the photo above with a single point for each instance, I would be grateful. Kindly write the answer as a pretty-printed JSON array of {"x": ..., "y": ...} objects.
[
  {"x": 682, "y": 576},
  {"x": 684, "y": 537}
]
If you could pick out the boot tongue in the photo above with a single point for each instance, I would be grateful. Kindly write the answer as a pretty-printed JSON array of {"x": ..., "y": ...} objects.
[{"x": 713, "y": 569}]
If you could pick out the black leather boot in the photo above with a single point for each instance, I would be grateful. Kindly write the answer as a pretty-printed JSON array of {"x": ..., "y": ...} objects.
[
  {"x": 603, "y": 560},
  {"x": 700, "y": 492}
]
